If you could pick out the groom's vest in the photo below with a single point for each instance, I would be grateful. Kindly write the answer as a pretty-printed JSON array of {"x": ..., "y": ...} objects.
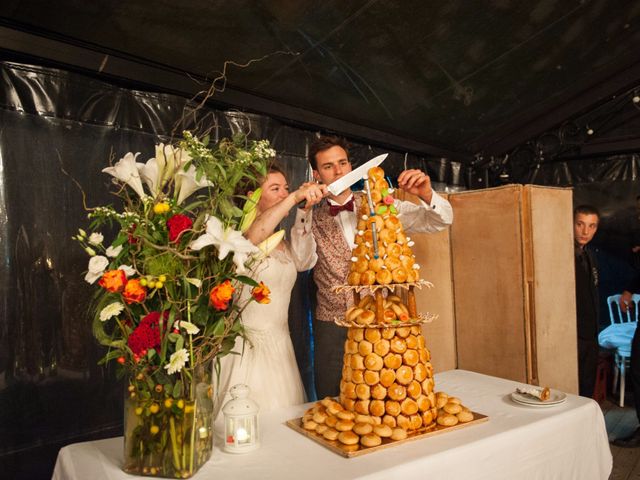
[{"x": 334, "y": 260}]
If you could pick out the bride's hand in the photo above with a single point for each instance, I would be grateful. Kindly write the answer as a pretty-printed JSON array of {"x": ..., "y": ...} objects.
[{"x": 311, "y": 193}]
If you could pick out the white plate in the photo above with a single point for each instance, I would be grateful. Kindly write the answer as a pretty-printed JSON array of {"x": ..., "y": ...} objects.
[{"x": 555, "y": 398}]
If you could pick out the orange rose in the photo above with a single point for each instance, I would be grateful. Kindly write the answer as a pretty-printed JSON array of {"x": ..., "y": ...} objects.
[
  {"x": 113, "y": 281},
  {"x": 220, "y": 295},
  {"x": 134, "y": 292},
  {"x": 261, "y": 293}
]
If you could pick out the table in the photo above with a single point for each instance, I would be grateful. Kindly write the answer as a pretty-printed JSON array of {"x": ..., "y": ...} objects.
[{"x": 565, "y": 441}]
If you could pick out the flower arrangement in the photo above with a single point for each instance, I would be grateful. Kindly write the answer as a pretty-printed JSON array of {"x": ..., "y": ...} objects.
[{"x": 168, "y": 288}]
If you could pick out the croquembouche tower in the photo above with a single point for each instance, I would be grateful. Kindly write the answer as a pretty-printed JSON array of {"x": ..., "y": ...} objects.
[
  {"x": 387, "y": 371},
  {"x": 387, "y": 388}
]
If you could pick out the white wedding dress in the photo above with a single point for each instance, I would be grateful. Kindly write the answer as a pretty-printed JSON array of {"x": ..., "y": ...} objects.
[{"x": 267, "y": 362}]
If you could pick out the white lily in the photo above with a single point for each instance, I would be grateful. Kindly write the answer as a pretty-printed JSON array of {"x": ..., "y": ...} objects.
[
  {"x": 248, "y": 219},
  {"x": 250, "y": 209},
  {"x": 169, "y": 160},
  {"x": 186, "y": 183},
  {"x": 126, "y": 170},
  {"x": 226, "y": 240},
  {"x": 268, "y": 245},
  {"x": 151, "y": 175}
]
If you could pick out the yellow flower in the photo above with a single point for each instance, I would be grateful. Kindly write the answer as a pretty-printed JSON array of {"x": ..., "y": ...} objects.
[
  {"x": 168, "y": 402},
  {"x": 154, "y": 429},
  {"x": 162, "y": 207},
  {"x": 154, "y": 408}
]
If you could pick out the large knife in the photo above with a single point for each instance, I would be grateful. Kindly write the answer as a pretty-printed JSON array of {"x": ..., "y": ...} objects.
[{"x": 340, "y": 185}]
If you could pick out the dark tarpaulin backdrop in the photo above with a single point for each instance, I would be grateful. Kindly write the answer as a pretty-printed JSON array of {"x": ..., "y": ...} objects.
[
  {"x": 52, "y": 392},
  {"x": 464, "y": 76}
]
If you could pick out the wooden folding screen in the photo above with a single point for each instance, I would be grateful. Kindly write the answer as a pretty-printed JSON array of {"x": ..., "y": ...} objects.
[{"x": 504, "y": 286}]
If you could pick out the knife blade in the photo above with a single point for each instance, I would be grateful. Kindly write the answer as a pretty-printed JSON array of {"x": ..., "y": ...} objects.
[{"x": 340, "y": 185}]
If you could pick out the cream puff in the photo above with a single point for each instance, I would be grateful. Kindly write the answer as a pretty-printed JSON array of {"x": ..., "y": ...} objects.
[
  {"x": 372, "y": 377},
  {"x": 392, "y": 407},
  {"x": 419, "y": 372},
  {"x": 347, "y": 437},
  {"x": 367, "y": 317},
  {"x": 404, "y": 375},
  {"x": 383, "y": 277},
  {"x": 370, "y": 440},
  {"x": 410, "y": 357},
  {"x": 397, "y": 392},
  {"x": 382, "y": 347},
  {"x": 388, "y": 333},
  {"x": 415, "y": 421},
  {"x": 364, "y": 348},
  {"x": 363, "y": 392},
  {"x": 414, "y": 389},
  {"x": 392, "y": 360},
  {"x": 362, "y": 428},
  {"x": 398, "y": 345},
  {"x": 372, "y": 335},
  {"x": 399, "y": 275},
  {"x": 373, "y": 362},
  {"x": 378, "y": 392},
  {"x": 389, "y": 420},
  {"x": 409, "y": 407},
  {"x": 366, "y": 278},
  {"x": 362, "y": 406},
  {"x": 377, "y": 408},
  {"x": 387, "y": 377}
]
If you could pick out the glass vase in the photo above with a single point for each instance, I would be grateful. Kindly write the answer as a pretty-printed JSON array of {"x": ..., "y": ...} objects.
[{"x": 168, "y": 426}]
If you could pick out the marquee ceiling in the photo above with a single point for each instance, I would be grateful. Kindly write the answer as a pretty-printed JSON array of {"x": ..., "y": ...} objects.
[{"x": 450, "y": 78}]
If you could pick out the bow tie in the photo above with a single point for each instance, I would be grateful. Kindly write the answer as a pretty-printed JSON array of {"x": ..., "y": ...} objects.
[{"x": 335, "y": 209}]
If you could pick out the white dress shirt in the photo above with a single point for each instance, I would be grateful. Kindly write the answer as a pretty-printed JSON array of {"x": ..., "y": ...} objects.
[{"x": 422, "y": 218}]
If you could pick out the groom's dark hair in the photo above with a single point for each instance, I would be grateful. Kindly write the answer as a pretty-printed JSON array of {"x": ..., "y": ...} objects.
[{"x": 325, "y": 142}]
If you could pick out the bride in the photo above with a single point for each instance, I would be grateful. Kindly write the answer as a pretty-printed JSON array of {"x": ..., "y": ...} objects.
[{"x": 266, "y": 361}]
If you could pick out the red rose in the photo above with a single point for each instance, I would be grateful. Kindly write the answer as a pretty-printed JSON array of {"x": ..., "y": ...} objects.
[{"x": 178, "y": 224}]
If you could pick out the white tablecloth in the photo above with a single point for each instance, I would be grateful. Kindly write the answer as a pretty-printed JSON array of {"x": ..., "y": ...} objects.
[{"x": 567, "y": 441}]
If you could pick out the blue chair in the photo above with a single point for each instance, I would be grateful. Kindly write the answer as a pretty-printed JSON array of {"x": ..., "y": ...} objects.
[{"x": 618, "y": 336}]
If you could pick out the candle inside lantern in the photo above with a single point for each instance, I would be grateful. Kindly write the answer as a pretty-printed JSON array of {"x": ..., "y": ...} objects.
[{"x": 241, "y": 421}]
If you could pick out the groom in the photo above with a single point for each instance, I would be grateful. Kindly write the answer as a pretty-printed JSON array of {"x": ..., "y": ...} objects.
[{"x": 326, "y": 237}]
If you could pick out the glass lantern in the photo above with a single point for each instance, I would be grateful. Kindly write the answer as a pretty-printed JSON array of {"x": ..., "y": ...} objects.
[{"x": 240, "y": 421}]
